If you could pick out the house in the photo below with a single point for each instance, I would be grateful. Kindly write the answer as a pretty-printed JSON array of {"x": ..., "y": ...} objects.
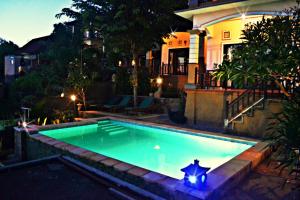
[
  {"x": 217, "y": 28},
  {"x": 25, "y": 58},
  {"x": 170, "y": 60}
]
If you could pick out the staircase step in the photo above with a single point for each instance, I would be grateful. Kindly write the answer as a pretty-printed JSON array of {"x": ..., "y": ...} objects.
[
  {"x": 118, "y": 132},
  {"x": 107, "y": 126},
  {"x": 259, "y": 107},
  {"x": 250, "y": 113},
  {"x": 104, "y": 122},
  {"x": 110, "y": 126},
  {"x": 113, "y": 129}
]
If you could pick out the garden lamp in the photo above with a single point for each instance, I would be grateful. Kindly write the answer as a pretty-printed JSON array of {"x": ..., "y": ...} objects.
[{"x": 195, "y": 176}]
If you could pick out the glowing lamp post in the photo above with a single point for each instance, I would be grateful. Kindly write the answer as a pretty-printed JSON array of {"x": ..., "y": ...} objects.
[
  {"x": 195, "y": 175},
  {"x": 159, "y": 81},
  {"x": 133, "y": 63},
  {"x": 73, "y": 98}
]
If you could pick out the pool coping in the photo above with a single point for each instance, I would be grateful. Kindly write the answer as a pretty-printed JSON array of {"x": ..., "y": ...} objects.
[{"x": 219, "y": 180}]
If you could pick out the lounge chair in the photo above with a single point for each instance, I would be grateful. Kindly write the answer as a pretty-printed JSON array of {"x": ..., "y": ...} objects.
[
  {"x": 123, "y": 103},
  {"x": 144, "y": 106},
  {"x": 113, "y": 101}
]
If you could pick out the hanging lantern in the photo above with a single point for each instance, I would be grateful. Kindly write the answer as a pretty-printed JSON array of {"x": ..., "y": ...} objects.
[{"x": 195, "y": 176}]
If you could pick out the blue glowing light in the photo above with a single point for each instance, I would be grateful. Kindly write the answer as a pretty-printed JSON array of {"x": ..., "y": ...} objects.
[
  {"x": 195, "y": 175},
  {"x": 203, "y": 178},
  {"x": 193, "y": 179}
]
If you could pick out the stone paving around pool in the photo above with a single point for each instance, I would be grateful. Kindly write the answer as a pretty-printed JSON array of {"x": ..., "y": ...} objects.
[
  {"x": 265, "y": 183},
  {"x": 220, "y": 179}
]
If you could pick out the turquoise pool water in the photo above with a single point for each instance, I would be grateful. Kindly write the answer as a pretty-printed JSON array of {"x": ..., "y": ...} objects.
[{"x": 161, "y": 150}]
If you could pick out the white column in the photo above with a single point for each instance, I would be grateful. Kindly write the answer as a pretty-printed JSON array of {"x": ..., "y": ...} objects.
[{"x": 194, "y": 47}]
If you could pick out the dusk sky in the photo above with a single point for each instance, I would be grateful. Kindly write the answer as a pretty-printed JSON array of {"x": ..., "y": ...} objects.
[{"x": 23, "y": 20}]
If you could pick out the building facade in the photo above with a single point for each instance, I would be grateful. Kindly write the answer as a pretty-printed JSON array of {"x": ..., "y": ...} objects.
[{"x": 217, "y": 29}]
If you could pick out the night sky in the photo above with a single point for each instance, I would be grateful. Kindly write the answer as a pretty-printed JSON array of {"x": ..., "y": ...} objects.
[{"x": 23, "y": 20}]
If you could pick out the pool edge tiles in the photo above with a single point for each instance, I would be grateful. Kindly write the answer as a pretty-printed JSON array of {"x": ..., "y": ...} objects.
[
  {"x": 219, "y": 180},
  {"x": 138, "y": 144}
]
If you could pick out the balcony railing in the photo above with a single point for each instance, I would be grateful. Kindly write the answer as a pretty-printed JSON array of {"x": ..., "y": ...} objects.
[
  {"x": 208, "y": 81},
  {"x": 180, "y": 69}
]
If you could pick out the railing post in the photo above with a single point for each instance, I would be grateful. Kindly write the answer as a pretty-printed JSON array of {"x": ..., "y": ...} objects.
[
  {"x": 226, "y": 110},
  {"x": 232, "y": 110},
  {"x": 248, "y": 99},
  {"x": 243, "y": 104},
  {"x": 201, "y": 77},
  {"x": 196, "y": 75}
]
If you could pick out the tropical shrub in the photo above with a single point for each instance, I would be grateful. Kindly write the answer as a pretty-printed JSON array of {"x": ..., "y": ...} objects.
[
  {"x": 269, "y": 51},
  {"x": 284, "y": 134},
  {"x": 51, "y": 110}
]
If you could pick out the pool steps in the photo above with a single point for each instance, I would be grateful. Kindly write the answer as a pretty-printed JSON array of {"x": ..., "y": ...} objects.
[{"x": 110, "y": 128}]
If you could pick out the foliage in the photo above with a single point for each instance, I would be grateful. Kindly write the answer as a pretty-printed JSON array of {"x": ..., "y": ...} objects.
[
  {"x": 52, "y": 110},
  {"x": 49, "y": 78},
  {"x": 284, "y": 133},
  {"x": 25, "y": 90},
  {"x": 123, "y": 85},
  {"x": 270, "y": 49},
  {"x": 7, "y": 108},
  {"x": 7, "y": 123},
  {"x": 130, "y": 27},
  {"x": 30, "y": 84},
  {"x": 79, "y": 79},
  {"x": 144, "y": 81}
]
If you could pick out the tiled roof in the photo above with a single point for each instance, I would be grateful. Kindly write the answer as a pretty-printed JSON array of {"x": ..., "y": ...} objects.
[{"x": 34, "y": 46}]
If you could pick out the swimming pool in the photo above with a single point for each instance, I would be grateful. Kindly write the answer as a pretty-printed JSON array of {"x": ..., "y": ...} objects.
[{"x": 157, "y": 149}]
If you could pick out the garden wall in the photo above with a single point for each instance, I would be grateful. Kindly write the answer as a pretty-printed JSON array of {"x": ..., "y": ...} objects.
[{"x": 206, "y": 107}]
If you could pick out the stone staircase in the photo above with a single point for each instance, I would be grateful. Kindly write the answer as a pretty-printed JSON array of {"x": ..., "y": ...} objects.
[{"x": 243, "y": 106}]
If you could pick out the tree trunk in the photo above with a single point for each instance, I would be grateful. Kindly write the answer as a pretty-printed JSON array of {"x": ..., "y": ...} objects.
[
  {"x": 282, "y": 88},
  {"x": 135, "y": 80},
  {"x": 134, "y": 73},
  {"x": 83, "y": 98}
]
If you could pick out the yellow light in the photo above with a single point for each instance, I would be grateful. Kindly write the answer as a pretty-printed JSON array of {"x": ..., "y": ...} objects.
[
  {"x": 73, "y": 97},
  {"x": 24, "y": 124},
  {"x": 120, "y": 63},
  {"x": 243, "y": 16},
  {"x": 62, "y": 95},
  {"x": 159, "y": 80},
  {"x": 133, "y": 62}
]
